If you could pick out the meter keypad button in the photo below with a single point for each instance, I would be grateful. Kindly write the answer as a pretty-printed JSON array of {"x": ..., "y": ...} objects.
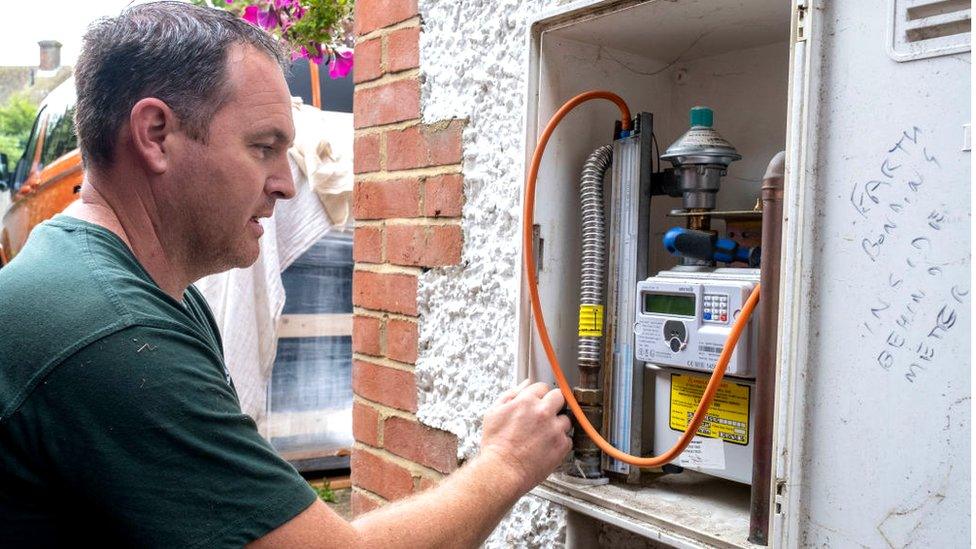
[{"x": 715, "y": 307}]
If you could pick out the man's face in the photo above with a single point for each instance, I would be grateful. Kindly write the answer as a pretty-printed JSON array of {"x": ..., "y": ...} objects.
[{"x": 234, "y": 178}]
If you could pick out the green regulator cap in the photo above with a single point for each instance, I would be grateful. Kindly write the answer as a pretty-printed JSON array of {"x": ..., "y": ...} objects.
[
  {"x": 700, "y": 116},
  {"x": 701, "y": 144}
]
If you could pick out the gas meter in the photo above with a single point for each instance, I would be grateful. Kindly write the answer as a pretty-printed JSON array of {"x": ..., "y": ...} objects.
[{"x": 684, "y": 317}]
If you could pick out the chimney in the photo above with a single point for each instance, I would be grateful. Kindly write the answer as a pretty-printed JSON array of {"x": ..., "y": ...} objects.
[{"x": 50, "y": 55}]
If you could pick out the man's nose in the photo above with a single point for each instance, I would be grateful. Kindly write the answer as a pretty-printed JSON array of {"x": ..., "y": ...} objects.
[{"x": 281, "y": 185}]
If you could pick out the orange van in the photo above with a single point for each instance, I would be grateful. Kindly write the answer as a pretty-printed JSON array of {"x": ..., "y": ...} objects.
[{"x": 48, "y": 176}]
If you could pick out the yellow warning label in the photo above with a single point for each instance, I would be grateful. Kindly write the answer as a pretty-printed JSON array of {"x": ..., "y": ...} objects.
[
  {"x": 728, "y": 416},
  {"x": 591, "y": 321}
]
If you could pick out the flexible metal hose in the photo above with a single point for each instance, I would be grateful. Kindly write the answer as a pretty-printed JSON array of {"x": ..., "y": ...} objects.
[{"x": 593, "y": 257}]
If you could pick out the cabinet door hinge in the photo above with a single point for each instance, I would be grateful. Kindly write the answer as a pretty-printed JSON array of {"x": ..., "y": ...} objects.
[{"x": 800, "y": 21}]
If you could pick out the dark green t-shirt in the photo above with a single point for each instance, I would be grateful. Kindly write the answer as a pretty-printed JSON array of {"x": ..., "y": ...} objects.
[{"x": 118, "y": 419}]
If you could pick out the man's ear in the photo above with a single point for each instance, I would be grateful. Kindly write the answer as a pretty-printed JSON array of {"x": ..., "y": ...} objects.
[{"x": 152, "y": 125}]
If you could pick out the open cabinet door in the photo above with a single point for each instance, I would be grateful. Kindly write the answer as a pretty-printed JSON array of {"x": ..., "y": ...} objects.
[{"x": 873, "y": 403}]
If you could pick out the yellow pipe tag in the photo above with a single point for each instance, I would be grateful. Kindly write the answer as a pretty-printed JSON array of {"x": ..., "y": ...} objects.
[{"x": 591, "y": 321}]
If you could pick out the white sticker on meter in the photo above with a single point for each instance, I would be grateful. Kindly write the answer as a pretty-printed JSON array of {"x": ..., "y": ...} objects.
[{"x": 704, "y": 453}]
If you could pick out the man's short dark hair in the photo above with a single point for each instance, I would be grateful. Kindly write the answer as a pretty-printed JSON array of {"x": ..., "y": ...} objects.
[{"x": 172, "y": 51}]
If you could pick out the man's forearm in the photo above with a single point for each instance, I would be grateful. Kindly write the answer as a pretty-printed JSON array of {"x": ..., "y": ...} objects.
[
  {"x": 524, "y": 439},
  {"x": 460, "y": 512}
]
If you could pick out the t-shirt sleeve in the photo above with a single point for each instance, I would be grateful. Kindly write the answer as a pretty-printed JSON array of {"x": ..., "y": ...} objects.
[{"x": 143, "y": 428}]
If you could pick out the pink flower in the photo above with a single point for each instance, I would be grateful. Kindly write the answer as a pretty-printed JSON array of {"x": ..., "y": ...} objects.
[
  {"x": 266, "y": 19},
  {"x": 315, "y": 56},
  {"x": 251, "y": 15},
  {"x": 340, "y": 63}
]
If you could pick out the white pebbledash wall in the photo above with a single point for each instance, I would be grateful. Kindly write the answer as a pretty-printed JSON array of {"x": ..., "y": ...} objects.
[{"x": 473, "y": 58}]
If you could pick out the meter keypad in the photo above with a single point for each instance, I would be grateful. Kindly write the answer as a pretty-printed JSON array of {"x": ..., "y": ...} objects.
[{"x": 715, "y": 308}]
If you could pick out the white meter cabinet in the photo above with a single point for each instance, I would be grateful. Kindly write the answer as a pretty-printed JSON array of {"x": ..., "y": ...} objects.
[{"x": 871, "y": 102}]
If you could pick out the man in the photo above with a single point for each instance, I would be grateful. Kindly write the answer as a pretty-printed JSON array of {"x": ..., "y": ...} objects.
[{"x": 118, "y": 421}]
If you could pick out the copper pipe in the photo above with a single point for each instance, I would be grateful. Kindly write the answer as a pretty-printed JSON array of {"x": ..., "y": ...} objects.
[
  {"x": 313, "y": 72},
  {"x": 762, "y": 450}
]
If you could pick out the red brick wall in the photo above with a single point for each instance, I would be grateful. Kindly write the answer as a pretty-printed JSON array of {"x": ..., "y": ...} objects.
[{"x": 407, "y": 204}]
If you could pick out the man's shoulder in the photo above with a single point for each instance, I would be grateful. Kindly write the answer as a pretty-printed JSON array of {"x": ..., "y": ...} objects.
[
  {"x": 139, "y": 366},
  {"x": 121, "y": 364},
  {"x": 52, "y": 292},
  {"x": 148, "y": 407},
  {"x": 70, "y": 286},
  {"x": 62, "y": 283}
]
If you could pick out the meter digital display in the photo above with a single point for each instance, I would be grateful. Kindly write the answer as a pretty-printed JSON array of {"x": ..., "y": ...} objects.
[{"x": 669, "y": 304}]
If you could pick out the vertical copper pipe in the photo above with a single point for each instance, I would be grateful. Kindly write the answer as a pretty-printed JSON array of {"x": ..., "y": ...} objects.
[
  {"x": 313, "y": 72},
  {"x": 762, "y": 450}
]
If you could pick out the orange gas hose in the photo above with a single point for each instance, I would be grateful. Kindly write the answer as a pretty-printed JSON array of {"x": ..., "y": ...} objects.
[{"x": 540, "y": 323}]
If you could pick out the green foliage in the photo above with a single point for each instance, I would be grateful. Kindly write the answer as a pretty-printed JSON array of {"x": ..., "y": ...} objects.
[
  {"x": 322, "y": 24},
  {"x": 324, "y": 492},
  {"x": 16, "y": 120},
  {"x": 313, "y": 29}
]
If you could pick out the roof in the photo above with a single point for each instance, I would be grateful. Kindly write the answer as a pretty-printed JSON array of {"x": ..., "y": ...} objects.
[{"x": 36, "y": 83}]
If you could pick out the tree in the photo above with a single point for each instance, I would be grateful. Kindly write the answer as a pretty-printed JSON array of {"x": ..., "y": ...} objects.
[{"x": 16, "y": 121}]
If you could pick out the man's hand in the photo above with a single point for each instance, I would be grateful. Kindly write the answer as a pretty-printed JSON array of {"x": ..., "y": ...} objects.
[{"x": 525, "y": 430}]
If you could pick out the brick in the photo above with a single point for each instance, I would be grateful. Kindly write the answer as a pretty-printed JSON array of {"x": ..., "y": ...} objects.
[
  {"x": 402, "y": 49},
  {"x": 376, "y": 14},
  {"x": 365, "y": 424},
  {"x": 366, "y": 333},
  {"x": 444, "y": 245},
  {"x": 423, "y": 245},
  {"x": 393, "y": 292},
  {"x": 443, "y": 196},
  {"x": 367, "y": 245},
  {"x": 369, "y": 57},
  {"x": 366, "y": 153},
  {"x": 361, "y": 504},
  {"x": 380, "y": 476},
  {"x": 401, "y": 340},
  {"x": 387, "y": 103},
  {"x": 423, "y": 145},
  {"x": 386, "y": 199},
  {"x": 407, "y": 244},
  {"x": 388, "y": 386},
  {"x": 429, "y": 447}
]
